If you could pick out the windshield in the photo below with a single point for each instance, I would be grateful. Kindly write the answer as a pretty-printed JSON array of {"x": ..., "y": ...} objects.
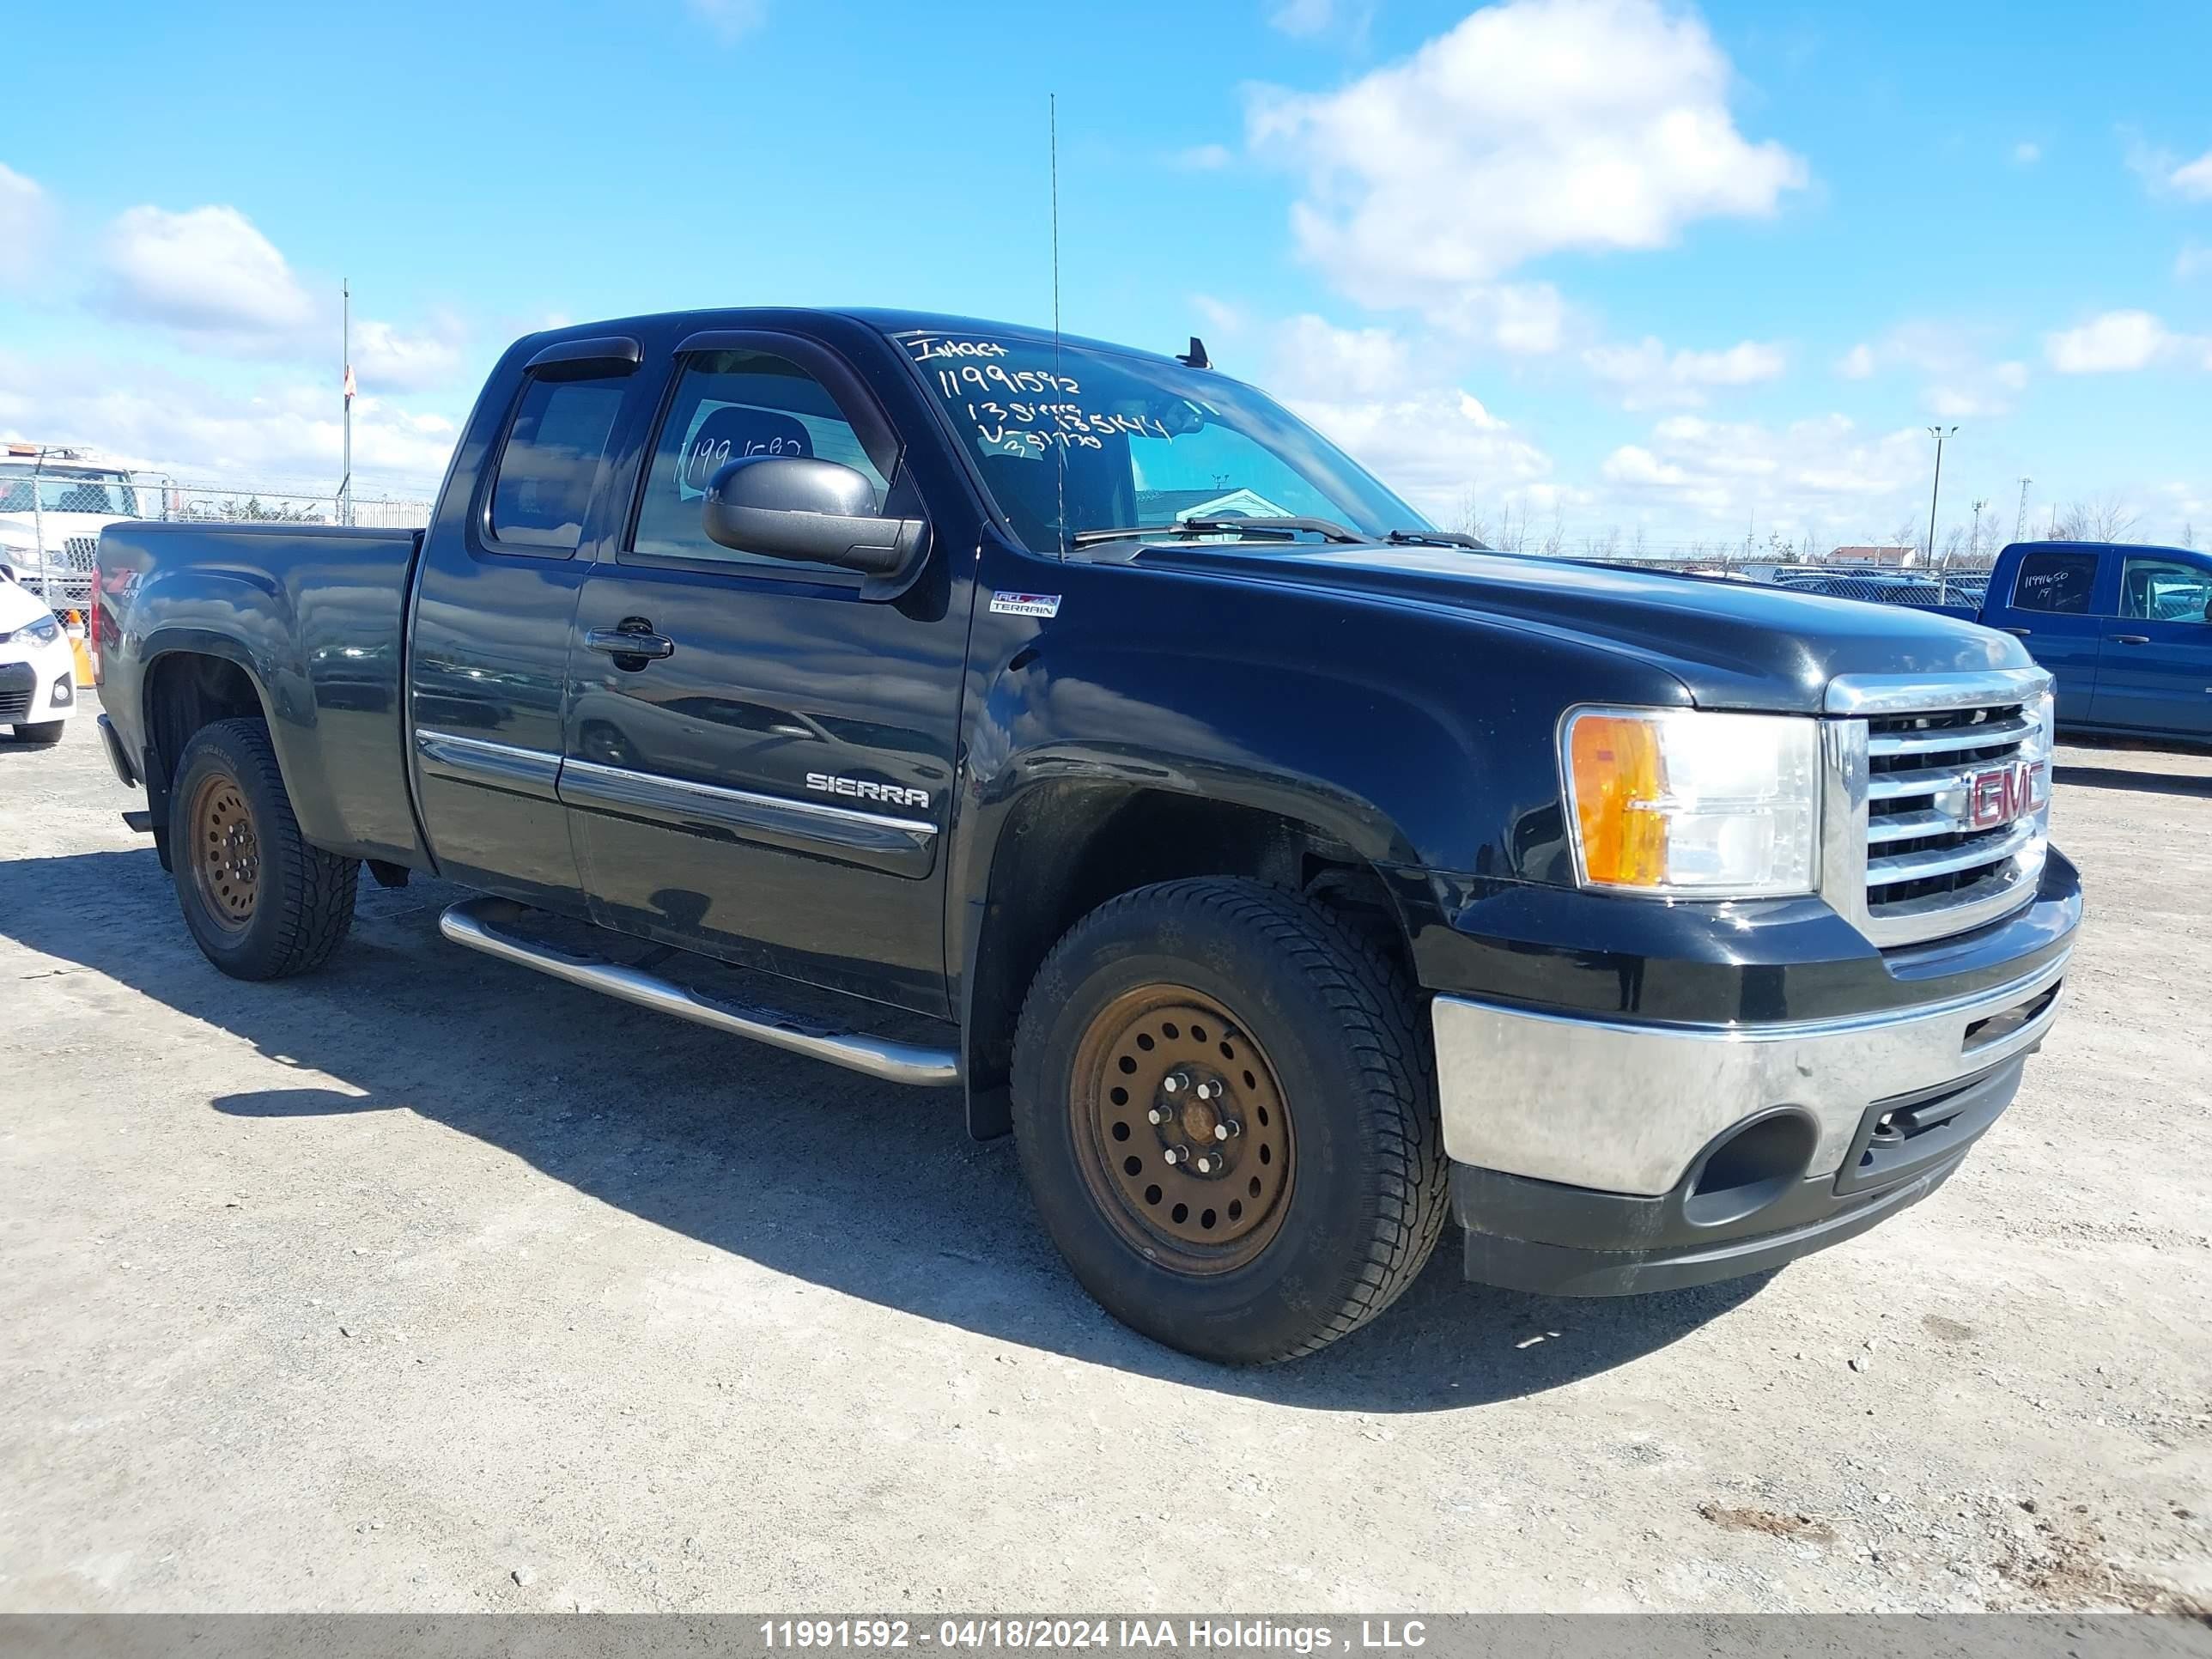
[
  {"x": 109, "y": 494},
  {"x": 1072, "y": 439}
]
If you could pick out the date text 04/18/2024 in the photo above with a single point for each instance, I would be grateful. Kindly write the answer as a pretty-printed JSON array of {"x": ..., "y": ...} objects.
[{"x": 1149, "y": 1635}]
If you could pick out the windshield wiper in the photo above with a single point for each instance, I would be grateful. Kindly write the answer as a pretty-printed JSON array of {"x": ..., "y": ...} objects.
[
  {"x": 1280, "y": 529},
  {"x": 1435, "y": 539}
]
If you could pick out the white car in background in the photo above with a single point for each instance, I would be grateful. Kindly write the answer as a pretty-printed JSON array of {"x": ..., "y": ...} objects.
[{"x": 38, "y": 671}]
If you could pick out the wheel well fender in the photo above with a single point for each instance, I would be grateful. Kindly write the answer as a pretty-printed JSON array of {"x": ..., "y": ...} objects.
[
  {"x": 1062, "y": 847},
  {"x": 187, "y": 686}
]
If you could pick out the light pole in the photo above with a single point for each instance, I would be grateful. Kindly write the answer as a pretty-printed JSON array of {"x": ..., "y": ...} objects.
[
  {"x": 1938, "y": 434},
  {"x": 1974, "y": 547}
]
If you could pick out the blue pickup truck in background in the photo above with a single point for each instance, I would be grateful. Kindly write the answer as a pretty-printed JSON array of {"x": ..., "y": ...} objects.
[{"x": 2123, "y": 629}]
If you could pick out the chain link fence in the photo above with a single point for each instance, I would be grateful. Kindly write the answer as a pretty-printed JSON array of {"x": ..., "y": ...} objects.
[
  {"x": 1960, "y": 582},
  {"x": 51, "y": 514}
]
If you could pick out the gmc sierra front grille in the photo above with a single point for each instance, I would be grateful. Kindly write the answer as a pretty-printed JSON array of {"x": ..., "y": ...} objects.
[{"x": 1953, "y": 797}]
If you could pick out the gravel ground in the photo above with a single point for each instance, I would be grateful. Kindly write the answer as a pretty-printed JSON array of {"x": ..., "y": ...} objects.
[{"x": 428, "y": 1284}]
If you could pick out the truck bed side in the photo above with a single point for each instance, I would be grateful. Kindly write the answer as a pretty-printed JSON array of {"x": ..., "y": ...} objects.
[{"x": 311, "y": 620}]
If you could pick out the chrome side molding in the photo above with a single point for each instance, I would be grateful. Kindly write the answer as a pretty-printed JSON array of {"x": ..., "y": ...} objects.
[
  {"x": 483, "y": 924},
  {"x": 491, "y": 765}
]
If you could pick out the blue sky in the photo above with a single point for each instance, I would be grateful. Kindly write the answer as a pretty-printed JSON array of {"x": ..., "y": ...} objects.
[{"x": 1611, "y": 265}]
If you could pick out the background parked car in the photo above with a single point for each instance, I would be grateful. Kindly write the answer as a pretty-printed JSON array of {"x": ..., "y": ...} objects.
[{"x": 37, "y": 674}]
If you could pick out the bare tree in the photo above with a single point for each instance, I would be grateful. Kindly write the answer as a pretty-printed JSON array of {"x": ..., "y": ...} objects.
[
  {"x": 1510, "y": 540},
  {"x": 2104, "y": 518},
  {"x": 1471, "y": 521},
  {"x": 1555, "y": 540}
]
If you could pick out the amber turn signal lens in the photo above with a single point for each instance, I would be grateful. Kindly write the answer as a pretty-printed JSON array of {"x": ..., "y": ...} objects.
[{"x": 1619, "y": 793}]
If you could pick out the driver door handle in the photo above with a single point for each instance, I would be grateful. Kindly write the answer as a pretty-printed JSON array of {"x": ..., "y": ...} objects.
[
  {"x": 2130, "y": 639},
  {"x": 630, "y": 642},
  {"x": 2022, "y": 632}
]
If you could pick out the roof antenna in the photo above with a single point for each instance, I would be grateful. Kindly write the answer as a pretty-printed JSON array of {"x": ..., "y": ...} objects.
[
  {"x": 1052, "y": 141},
  {"x": 1195, "y": 357}
]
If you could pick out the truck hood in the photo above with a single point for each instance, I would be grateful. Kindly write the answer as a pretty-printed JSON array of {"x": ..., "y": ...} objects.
[{"x": 1732, "y": 644}]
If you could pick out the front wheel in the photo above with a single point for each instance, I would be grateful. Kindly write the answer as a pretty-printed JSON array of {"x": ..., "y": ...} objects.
[
  {"x": 261, "y": 903},
  {"x": 1226, "y": 1113}
]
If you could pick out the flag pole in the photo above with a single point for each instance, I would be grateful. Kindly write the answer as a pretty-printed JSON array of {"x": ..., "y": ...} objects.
[{"x": 345, "y": 351}]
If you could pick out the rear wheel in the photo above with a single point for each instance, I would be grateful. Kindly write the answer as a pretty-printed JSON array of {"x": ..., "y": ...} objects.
[
  {"x": 1225, "y": 1110},
  {"x": 260, "y": 901},
  {"x": 41, "y": 732}
]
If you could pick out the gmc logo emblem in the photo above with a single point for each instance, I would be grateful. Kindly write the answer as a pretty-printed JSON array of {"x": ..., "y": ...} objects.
[{"x": 2000, "y": 794}]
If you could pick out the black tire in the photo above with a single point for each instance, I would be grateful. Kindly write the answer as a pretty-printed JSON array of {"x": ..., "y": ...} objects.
[
  {"x": 300, "y": 901},
  {"x": 1341, "y": 1033},
  {"x": 43, "y": 733}
]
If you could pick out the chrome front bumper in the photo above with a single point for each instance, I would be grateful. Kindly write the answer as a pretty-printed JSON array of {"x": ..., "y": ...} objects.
[{"x": 1625, "y": 1107}]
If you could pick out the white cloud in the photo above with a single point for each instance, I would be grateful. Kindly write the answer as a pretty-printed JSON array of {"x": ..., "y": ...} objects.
[
  {"x": 24, "y": 213},
  {"x": 209, "y": 274},
  {"x": 1315, "y": 358},
  {"x": 2026, "y": 154},
  {"x": 1962, "y": 380},
  {"x": 729, "y": 21},
  {"x": 1647, "y": 375},
  {"x": 2116, "y": 342},
  {"x": 2193, "y": 178},
  {"x": 1531, "y": 127},
  {"x": 1432, "y": 440},
  {"x": 1527, "y": 319},
  {"x": 1819, "y": 474},
  {"x": 1952, "y": 403},
  {"x": 286, "y": 432},
  {"x": 2168, "y": 174},
  {"x": 1222, "y": 316},
  {"x": 1304, "y": 19},
  {"x": 385, "y": 358},
  {"x": 1203, "y": 158},
  {"x": 1632, "y": 464},
  {"x": 204, "y": 270}
]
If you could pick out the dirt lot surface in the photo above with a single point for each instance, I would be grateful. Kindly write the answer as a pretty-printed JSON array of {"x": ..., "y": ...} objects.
[{"x": 426, "y": 1283}]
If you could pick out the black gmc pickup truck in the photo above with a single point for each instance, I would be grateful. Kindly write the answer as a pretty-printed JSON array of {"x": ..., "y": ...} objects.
[{"x": 1286, "y": 874}]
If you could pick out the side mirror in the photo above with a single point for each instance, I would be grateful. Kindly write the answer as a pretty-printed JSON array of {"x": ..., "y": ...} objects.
[{"x": 794, "y": 507}]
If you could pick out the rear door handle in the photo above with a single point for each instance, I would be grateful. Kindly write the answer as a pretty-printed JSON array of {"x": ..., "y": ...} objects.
[
  {"x": 2022, "y": 632},
  {"x": 630, "y": 641},
  {"x": 2130, "y": 639}
]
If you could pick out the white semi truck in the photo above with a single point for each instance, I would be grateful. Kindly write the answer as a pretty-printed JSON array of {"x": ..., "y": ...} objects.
[{"x": 53, "y": 504}]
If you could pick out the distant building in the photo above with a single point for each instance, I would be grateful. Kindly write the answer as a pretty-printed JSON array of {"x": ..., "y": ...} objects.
[
  {"x": 1888, "y": 555},
  {"x": 1155, "y": 505}
]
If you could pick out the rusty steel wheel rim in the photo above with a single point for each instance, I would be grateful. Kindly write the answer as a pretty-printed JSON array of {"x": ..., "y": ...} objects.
[
  {"x": 225, "y": 854},
  {"x": 1181, "y": 1130}
]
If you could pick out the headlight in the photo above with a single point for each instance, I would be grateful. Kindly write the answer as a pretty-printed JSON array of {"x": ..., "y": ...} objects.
[
  {"x": 45, "y": 630},
  {"x": 1685, "y": 804},
  {"x": 2040, "y": 750}
]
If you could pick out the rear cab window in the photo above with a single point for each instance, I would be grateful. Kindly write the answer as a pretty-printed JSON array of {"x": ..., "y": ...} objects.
[
  {"x": 549, "y": 464},
  {"x": 2062, "y": 583}
]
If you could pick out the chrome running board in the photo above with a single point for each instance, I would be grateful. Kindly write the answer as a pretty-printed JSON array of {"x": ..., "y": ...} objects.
[{"x": 482, "y": 924}]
